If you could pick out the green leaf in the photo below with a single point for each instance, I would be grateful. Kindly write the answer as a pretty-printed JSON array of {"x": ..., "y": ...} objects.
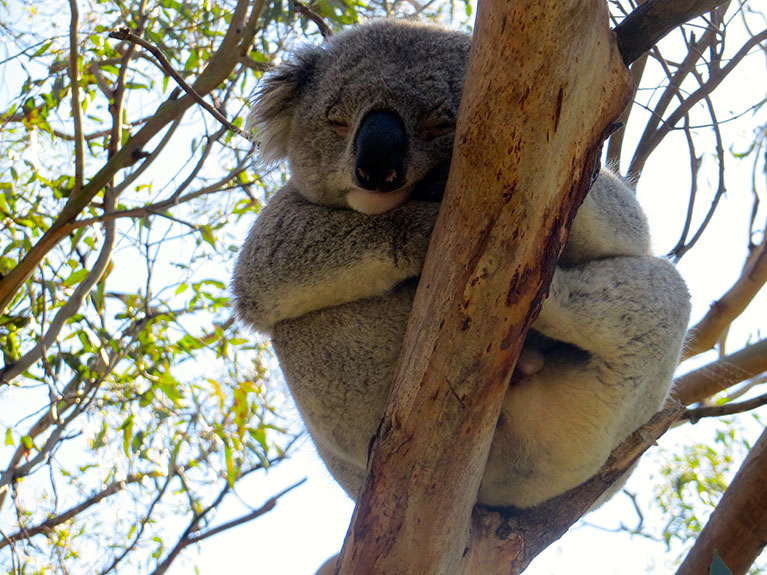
[
  {"x": 207, "y": 235},
  {"x": 8, "y": 437},
  {"x": 231, "y": 473},
  {"x": 98, "y": 441},
  {"x": 76, "y": 277},
  {"x": 42, "y": 49},
  {"x": 127, "y": 429}
]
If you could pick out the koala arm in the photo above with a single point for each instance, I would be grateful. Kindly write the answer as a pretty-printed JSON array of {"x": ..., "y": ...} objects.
[
  {"x": 300, "y": 257},
  {"x": 625, "y": 310}
]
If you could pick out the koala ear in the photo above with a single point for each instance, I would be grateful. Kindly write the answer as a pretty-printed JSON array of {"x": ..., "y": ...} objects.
[{"x": 274, "y": 104}]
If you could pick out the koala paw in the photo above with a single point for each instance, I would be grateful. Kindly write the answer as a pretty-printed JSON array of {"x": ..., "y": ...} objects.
[{"x": 530, "y": 362}]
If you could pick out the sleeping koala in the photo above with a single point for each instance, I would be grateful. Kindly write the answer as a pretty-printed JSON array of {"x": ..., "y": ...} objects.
[{"x": 331, "y": 265}]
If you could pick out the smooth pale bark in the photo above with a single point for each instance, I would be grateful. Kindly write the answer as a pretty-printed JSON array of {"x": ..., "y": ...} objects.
[
  {"x": 545, "y": 82},
  {"x": 706, "y": 333}
]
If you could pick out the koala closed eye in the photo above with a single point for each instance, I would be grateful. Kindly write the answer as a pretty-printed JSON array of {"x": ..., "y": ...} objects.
[
  {"x": 339, "y": 127},
  {"x": 435, "y": 125},
  {"x": 338, "y": 122}
]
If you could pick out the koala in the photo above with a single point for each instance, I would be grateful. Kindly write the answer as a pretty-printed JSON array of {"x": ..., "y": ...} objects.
[{"x": 330, "y": 268}]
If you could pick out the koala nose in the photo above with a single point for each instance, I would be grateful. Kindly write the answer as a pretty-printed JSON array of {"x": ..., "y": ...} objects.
[{"x": 381, "y": 145}]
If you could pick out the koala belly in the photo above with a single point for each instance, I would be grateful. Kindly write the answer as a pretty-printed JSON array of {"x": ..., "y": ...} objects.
[{"x": 338, "y": 363}]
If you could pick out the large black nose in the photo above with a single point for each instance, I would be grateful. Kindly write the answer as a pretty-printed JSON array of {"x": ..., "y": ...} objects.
[{"x": 381, "y": 149}]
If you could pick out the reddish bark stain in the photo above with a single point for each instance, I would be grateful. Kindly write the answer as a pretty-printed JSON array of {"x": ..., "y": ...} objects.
[
  {"x": 517, "y": 284},
  {"x": 558, "y": 111}
]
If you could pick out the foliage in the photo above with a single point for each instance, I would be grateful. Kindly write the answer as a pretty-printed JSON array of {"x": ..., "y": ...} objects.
[
  {"x": 694, "y": 481},
  {"x": 142, "y": 389}
]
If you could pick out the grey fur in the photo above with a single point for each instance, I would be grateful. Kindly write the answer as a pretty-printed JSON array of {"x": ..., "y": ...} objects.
[{"x": 334, "y": 287}]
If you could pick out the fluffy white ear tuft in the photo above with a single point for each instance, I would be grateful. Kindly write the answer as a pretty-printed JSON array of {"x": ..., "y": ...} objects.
[{"x": 275, "y": 102}]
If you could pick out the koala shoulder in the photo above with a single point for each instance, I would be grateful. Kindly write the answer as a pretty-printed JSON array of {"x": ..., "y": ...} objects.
[{"x": 609, "y": 223}]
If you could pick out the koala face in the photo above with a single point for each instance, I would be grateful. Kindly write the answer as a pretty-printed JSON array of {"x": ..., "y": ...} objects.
[{"x": 367, "y": 120}]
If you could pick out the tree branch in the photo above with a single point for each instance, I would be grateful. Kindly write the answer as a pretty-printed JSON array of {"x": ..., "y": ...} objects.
[
  {"x": 497, "y": 537},
  {"x": 73, "y": 303},
  {"x": 265, "y": 508},
  {"x": 672, "y": 89},
  {"x": 307, "y": 12},
  {"x": 704, "y": 335},
  {"x": 710, "y": 379},
  {"x": 651, "y": 141},
  {"x": 235, "y": 44},
  {"x": 74, "y": 74},
  {"x": 685, "y": 246},
  {"x": 50, "y": 523},
  {"x": 694, "y": 415},
  {"x": 126, "y": 34},
  {"x": 188, "y": 539},
  {"x": 651, "y": 21}
]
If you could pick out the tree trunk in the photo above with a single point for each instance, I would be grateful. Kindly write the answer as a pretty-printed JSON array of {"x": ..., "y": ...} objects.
[{"x": 545, "y": 82}]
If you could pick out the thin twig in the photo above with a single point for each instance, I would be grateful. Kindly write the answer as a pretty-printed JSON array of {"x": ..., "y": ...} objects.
[
  {"x": 672, "y": 90},
  {"x": 143, "y": 521},
  {"x": 720, "y": 190},
  {"x": 126, "y": 34},
  {"x": 304, "y": 10},
  {"x": 651, "y": 21},
  {"x": 651, "y": 142},
  {"x": 73, "y": 304},
  {"x": 265, "y": 508},
  {"x": 158, "y": 207},
  {"x": 47, "y": 525},
  {"x": 148, "y": 158},
  {"x": 117, "y": 97},
  {"x": 188, "y": 538},
  {"x": 694, "y": 170},
  {"x": 74, "y": 57},
  {"x": 706, "y": 381},
  {"x": 703, "y": 335},
  {"x": 694, "y": 415}
]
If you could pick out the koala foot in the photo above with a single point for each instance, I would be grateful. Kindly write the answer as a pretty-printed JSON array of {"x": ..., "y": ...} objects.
[{"x": 530, "y": 362}]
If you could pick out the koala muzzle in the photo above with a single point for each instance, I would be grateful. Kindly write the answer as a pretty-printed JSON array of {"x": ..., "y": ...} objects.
[{"x": 381, "y": 144}]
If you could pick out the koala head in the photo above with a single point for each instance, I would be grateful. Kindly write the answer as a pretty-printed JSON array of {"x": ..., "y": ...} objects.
[{"x": 366, "y": 120}]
